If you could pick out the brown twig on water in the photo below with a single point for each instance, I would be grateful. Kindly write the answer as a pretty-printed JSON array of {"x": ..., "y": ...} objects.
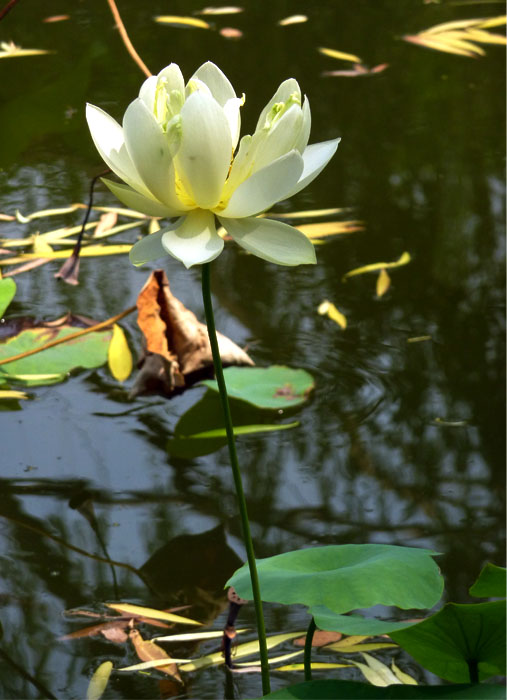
[
  {"x": 7, "y": 8},
  {"x": 125, "y": 37}
]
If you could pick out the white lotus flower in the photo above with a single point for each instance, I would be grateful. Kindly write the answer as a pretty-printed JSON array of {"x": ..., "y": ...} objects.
[{"x": 178, "y": 155}]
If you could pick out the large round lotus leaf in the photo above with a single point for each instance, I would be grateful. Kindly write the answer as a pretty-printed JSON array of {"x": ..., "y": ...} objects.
[
  {"x": 267, "y": 387},
  {"x": 457, "y": 639},
  {"x": 325, "y": 619},
  {"x": 332, "y": 689},
  {"x": 347, "y": 577},
  {"x": 7, "y": 292}
]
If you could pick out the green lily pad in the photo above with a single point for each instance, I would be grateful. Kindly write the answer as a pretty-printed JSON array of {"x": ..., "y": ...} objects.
[
  {"x": 52, "y": 365},
  {"x": 326, "y": 619},
  {"x": 200, "y": 430},
  {"x": 347, "y": 577},
  {"x": 491, "y": 582},
  {"x": 332, "y": 689},
  {"x": 267, "y": 387},
  {"x": 7, "y": 292},
  {"x": 457, "y": 640}
]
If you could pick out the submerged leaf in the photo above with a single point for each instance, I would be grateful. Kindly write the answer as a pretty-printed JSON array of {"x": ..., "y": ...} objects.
[
  {"x": 128, "y": 608},
  {"x": 99, "y": 680},
  {"x": 376, "y": 672}
]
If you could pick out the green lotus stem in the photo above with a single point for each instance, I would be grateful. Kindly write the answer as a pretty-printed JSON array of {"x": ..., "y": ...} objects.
[
  {"x": 308, "y": 649},
  {"x": 224, "y": 400}
]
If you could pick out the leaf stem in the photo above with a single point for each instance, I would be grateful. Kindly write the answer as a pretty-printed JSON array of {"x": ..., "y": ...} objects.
[
  {"x": 308, "y": 650},
  {"x": 217, "y": 362}
]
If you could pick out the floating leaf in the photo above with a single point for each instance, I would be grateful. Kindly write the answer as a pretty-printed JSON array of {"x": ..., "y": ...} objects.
[
  {"x": 457, "y": 640},
  {"x": 358, "y": 70},
  {"x": 316, "y": 666},
  {"x": 149, "y": 651},
  {"x": 403, "y": 260},
  {"x": 405, "y": 678},
  {"x": 106, "y": 223},
  {"x": 329, "y": 228},
  {"x": 99, "y": 680},
  {"x": 383, "y": 282},
  {"x": 333, "y": 53},
  {"x": 267, "y": 387},
  {"x": 7, "y": 293},
  {"x": 350, "y": 646},
  {"x": 56, "y": 18},
  {"x": 330, "y": 310},
  {"x": 419, "y": 339},
  {"x": 41, "y": 247},
  {"x": 52, "y": 364},
  {"x": 9, "y": 394},
  {"x": 182, "y": 21},
  {"x": 491, "y": 582},
  {"x": 194, "y": 636},
  {"x": 376, "y": 672},
  {"x": 457, "y": 37},
  {"x": 339, "y": 577},
  {"x": 128, "y": 608},
  {"x": 293, "y": 19},
  {"x": 320, "y": 638},
  {"x": 271, "y": 660},
  {"x": 119, "y": 357},
  {"x": 230, "y": 33},
  {"x": 226, "y": 10},
  {"x": 10, "y": 50}
]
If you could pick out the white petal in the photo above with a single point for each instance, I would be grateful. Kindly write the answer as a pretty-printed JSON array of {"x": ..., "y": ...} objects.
[
  {"x": 109, "y": 141},
  {"x": 304, "y": 134},
  {"x": 280, "y": 139},
  {"x": 173, "y": 78},
  {"x": 206, "y": 149},
  {"x": 232, "y": 112},
  {"x": 147, "y": 249},
  {"x": 149, "y": 149},
  {"x": 193, "y": 239},
  {"x": 147, "y": 92},
  {"x": 218, "y": 83},
  {"x": 286, "y": 89},
  {"x": 265, "y": 187},
  {"x": 271, "y": 240},
  {"x": 137, "y": 201},
  {"x": 315, "y": 158}
]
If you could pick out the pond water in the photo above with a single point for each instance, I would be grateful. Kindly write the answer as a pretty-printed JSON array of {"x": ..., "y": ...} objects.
[{"x": 401, "y": 442}]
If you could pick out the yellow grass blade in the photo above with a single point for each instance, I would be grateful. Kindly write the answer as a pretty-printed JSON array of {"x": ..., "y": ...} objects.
[
  {"x": 485, "y": 37},
  {"x": 12, "y": 394},
  {"x": 456, "y": 24},
  {"x": 316, "y": 666},
  {"x": 341, "y": 55},
  {"x": 293, "y": 19},
  {"x": 128, "y": 609},
  {"x": 404, "y": 259},
  {"x": 493, "y": 22},
  {"x": 182, "y": 21}
]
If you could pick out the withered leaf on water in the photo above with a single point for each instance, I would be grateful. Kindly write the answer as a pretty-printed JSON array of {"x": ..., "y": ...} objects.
[
  {"x": 320, "y": 638},
  {"x": 177, "y": 351},
  {"x": 149, "y": 651}
]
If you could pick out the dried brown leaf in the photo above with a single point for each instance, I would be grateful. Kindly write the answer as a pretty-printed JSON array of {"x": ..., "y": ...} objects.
[
  {"x": 149, "y": 651},
  {"x": 320, "y": 638}
]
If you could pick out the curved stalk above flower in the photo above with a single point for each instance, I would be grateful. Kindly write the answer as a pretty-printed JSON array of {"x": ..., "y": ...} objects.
[{"x": 178, "y": 156}]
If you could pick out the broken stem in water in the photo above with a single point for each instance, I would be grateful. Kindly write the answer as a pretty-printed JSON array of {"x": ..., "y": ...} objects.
[{"x": 224, "y": 400}]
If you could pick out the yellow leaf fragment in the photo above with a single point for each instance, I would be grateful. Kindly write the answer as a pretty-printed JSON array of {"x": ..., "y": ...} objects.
[
  {"x": 273, "y": 659},
  {"x": 8, "y": 49},
  {"x": 376, "y": 672},
  {"x": 485, "y": 37},
  {"x": 418, "y": 338},
  {"x": 106, "y": 223},
  {"x": 403, "y": 677},
  {"x": 119, "y": 357},
  {"x": 128, "y": 608},
  {"x": 149, "y": 651},
  {"x": 12, "y": 394},
  {"x": 182, "y": 21},
  {"x": 316, "y": 665},
  {"x": 383, "y": 282},
  {"x": 41, "y": 247},
  {"x": 326, "y": 308},
  {"x": 329, "y": 228},
  {"x": 194, "y": 636},
  {"x": 153, "y": 226},
  {"x": 456, "y": 24},
  {"x": 99, "y": 681},
  {"x": 333, "y": 53},
  {"x": 293, "y": 19},
  {"x": 404, "y": 259},
  {"x": 226, "y": 10},
  {"x": 493, "y": 22}
]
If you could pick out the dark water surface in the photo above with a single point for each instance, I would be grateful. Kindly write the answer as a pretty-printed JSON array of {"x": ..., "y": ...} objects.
[{"x": 401, "y": 443}]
